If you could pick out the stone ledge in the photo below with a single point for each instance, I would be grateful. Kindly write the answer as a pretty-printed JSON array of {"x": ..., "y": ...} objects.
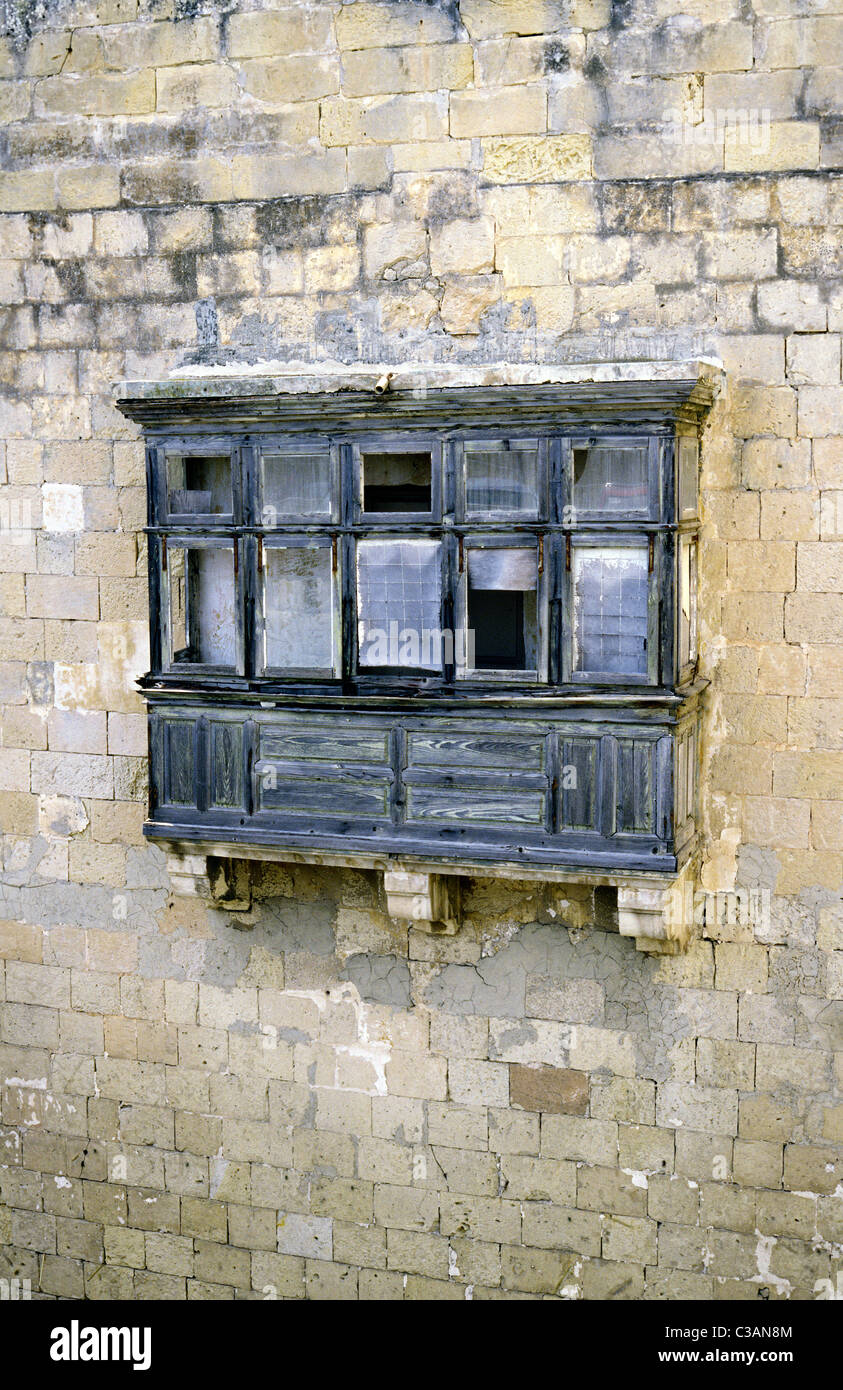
[{"x": 239, "y": 380}]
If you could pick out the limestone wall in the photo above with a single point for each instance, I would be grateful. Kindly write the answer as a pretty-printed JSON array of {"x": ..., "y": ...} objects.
[{"x": 315, "y": 1105}]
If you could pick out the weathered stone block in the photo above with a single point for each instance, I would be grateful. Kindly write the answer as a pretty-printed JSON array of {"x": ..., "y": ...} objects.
[
  {"x": 429, "y": 68},
  {"x": 553, "y": 1090},
  {"x": 536, "y": 159},
  {"x": 365, "y": 25}
]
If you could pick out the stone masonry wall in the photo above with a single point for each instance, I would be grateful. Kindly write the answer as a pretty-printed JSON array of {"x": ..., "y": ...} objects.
[{"x": 308, "y": 1103}]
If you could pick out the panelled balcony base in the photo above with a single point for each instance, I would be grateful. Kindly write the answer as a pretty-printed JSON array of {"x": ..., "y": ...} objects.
[{"x": 582, "y": 795}]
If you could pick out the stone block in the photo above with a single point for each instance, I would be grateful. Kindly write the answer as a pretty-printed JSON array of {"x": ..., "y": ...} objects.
[{"x": 553, "y": 1090}]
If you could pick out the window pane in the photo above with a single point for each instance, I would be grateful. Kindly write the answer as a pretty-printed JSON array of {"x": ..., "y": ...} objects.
[
  {"x": 498, "y": 479},
  {"x": 687, "y": 602},
  {"x": 502, "y": 609},
  {"x": 295, "y": 485},
  {"x": 610, "y": 609},
  {"x": 202, "y": 605},
  {"x": 397, "y": 483},
  {"x": 399, "y": 589},
  {"x": 298, "y": 608},
  {"x": 199, "y": 484},
  {"x": 611, "y": 481}
]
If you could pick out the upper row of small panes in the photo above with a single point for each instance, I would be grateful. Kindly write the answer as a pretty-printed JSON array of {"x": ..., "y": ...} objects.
[{"x": 501, "y": 479}]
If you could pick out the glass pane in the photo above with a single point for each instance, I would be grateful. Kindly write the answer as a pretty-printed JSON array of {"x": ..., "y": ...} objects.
[
  {"x": 399, "y": 589},
  {"x": 397, "y": 483},
  {"x": 295, "y": 485},
  {"x": 199, "y": 484},
  {"x": 498, "y": 479},
  {"x": 687, "y": 602},
  {"x": 502, "y": 609},
  {"x": 202, "y": 605},
  {"x": 610, "y": 481},
  {"x": 298, "y": 609},
  {"x": 610, "y": 609},
  {"x": 688, "y": 477}
]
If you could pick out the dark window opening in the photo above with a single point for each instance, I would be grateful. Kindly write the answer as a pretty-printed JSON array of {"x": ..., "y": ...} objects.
[
  {"x": 502, "y": 609},
  {"x": 199, "y": 484},
  {"x": 397, "y": 483},
  {"x": 497, "y": 621}
]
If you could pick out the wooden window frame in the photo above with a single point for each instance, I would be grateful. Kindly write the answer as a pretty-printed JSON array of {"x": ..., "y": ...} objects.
[
  {"x": 287, "y": 540},
  {"x": 512, "y": 541},
  {"x": 173, "y": 540},
  {"x": 554, "y": 529}
]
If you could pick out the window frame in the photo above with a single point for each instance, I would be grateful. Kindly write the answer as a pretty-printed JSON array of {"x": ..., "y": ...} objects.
[
  {"x": 181, "y": 446},
  {"x": 686, "y": 670},
  {"x": 296, "y": 445},
  {"x": 351, "y": 618},
  {"x": 193, "y": 541},
  {"x": 655, "y": 464},
  {"x": 287, "y": 540},
  {"x": 601, "y": 540},
  {"x": 506, "y": 541},
  {"x": 475, "y": 443},
  {"x": 449, "y": 523},
  {"x": 399, "y": 443}
]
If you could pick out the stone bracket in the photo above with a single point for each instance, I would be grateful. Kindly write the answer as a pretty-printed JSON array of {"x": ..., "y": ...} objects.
[
  {"x": 222, "y": 882},
  {"x": 658, "y": 916},
  {"x": 426, "y": 901},
  {"x": 655, "y": 910}
]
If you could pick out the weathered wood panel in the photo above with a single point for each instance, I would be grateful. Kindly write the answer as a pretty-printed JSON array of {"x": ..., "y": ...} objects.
[
  {"x": 338, "y": 796},
  {"x": 470, "y": 806},
  {"x": 562, "y": 785},
  {"x": 180, "y": 762},
  {"x": 464, "y": 750},
  {"x": 578, "y": 783},
  {"x": 226, "y": 763},
  {"x": 634, "y": 800},
  {"x": 324, "y": 743}
]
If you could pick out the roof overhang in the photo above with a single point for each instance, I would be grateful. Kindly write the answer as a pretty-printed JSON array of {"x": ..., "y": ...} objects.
[{"x": 326, "y": 394}]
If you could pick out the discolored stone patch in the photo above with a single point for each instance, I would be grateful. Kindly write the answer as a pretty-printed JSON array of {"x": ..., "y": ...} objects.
[{"x": 556, "y": 1090}]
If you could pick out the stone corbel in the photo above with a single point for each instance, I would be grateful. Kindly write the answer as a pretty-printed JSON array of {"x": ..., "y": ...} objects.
[
  {"x": 655, "y": 911},
  {"x": 658, "y": 916},
  {"x": 426, "y": 901},
  {"x": 222, "y": 882}
]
